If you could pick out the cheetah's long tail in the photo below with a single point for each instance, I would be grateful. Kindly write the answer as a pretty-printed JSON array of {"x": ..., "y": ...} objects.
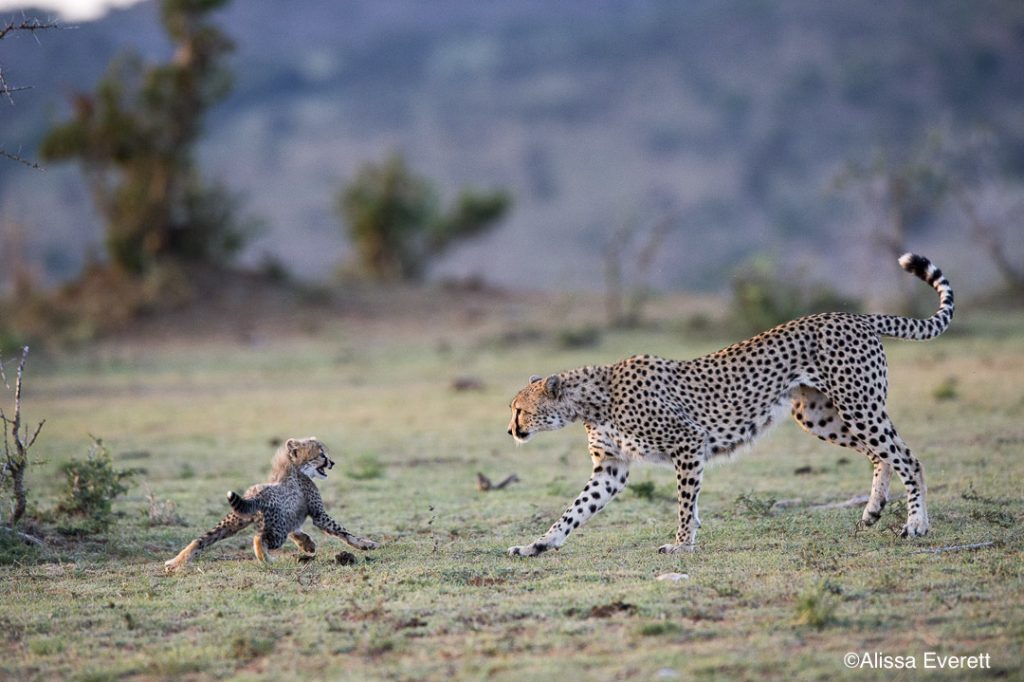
[
  {"x": 242, "y": 505},
  {"x": 914, "y": 329}
]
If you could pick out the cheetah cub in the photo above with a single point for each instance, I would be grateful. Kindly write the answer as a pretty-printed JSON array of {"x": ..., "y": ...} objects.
[
  {"x": 828, "y": 370},
  {"x": 279, "y": 507}
]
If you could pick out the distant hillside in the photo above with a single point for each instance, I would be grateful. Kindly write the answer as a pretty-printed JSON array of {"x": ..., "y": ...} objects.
[{"x": 733, "y": 115}]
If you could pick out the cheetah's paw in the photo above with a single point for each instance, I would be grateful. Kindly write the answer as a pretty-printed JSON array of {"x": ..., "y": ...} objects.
[
  {"x": 364, "y": 544},
  {"x": 914, "y": 528},
  {"x": 681, "y": 548},
  {"x": 532, "y": 549}
]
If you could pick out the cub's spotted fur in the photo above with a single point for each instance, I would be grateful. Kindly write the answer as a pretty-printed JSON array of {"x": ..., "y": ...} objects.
[
  {"x": 828, "y": 370},
  {"x": 279, "y": 507}
]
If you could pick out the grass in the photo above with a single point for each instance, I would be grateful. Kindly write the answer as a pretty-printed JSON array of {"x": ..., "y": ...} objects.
[{"x": 775, "y": 591}]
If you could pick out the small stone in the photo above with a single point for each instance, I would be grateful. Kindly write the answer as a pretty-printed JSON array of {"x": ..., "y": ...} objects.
[
  {"x": 345, "y": 558},
  {"x": 674, "y": 577}
]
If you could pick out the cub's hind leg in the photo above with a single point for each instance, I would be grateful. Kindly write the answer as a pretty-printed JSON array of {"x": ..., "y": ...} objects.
[
  {"x": 816, "y": 414},
  {"x": 228, "y": 526}
]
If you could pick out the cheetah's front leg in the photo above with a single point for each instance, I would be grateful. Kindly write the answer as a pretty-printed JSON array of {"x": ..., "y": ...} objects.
[
  {"x": 328, "y": 525},
  {"x": 689, "y": 472},
  {"x": 608, "y": 478}
]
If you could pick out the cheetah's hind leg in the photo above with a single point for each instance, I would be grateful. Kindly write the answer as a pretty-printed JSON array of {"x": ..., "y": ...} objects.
[
  {"x": 175, "y": 564},
  {"x": 815, "y": 413},
  {"x": 259, "y": 548},
  {"x": 228, "y": 526}
]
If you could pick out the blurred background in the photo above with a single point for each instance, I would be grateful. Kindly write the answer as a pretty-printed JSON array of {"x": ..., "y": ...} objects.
[{"x": 574, "y": 146}]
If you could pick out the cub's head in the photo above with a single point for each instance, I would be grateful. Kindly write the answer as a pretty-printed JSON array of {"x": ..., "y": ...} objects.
[
  {"x": 539, "y": 407},
  {"x": 309, "y": 455}
]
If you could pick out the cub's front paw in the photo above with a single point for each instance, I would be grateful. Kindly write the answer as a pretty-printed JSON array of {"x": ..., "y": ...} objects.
[
  {"x": 532, "y": 549},
  {"x": 681, "y": 548},
  {"x": 364, "y": 544}
]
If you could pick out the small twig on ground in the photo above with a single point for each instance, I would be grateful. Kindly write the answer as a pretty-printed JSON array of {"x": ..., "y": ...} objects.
[
  {"x": 484, "y": 484},
  {"x": 24, "y": 537},
  {"x": 956, "y": 548}
]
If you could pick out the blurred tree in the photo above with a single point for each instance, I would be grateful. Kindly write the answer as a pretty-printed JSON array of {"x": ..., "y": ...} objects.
[
  {"x": 135, "y": 138},
  {"x": 630, "y": 249},
  {"x": 991, "y": 199},
  {"x": 396, "y": 224},
  {"x": 904, "y": 193}
]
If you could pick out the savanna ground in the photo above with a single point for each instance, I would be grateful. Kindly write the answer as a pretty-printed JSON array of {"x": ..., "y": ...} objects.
[{"x": 778, "y": 589}]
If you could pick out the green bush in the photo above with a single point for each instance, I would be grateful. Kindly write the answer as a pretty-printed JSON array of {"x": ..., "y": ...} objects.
[
  {"x": 763, "y": 298},
  {"x": 90, "y": 487}
]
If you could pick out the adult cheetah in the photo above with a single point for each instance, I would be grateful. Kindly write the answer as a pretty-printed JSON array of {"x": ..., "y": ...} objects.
[{"x": 828, "y": 370}]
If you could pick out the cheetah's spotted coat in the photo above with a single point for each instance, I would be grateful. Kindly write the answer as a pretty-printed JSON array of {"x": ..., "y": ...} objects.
[
  {"x": 279, "y": 507},
  {"x": 829, "y": 370}
]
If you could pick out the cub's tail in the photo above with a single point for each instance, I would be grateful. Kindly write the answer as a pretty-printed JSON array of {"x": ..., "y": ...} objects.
[
  {"x": 241, "y": 505},
  {"x": 910, "y": 328}
]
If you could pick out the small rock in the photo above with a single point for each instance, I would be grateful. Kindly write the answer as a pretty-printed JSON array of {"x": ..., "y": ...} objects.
[
  {"x": 345, "y": 558},
  {"x": 674, "y": 577}
]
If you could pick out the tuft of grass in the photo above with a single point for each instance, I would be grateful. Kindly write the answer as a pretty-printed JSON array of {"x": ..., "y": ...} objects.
[
  {"x": 48, "y": 646},
  {"x": 659, "y": 629},
  {"x": 365, "y": 468},
  {"x": 755, "y": 506},
  {"x": 248, "y": 647},
  {"x": 644, "y": 490},
  {"x": 947, "y": 389},
  {"x": 816, "y": 606}
]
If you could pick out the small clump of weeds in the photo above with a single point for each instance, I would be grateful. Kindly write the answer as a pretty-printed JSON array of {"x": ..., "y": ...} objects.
[
  {"x": 162, "y": 512},
  {"x": 755, "y": 506},
  {"x": 90, "y": 487},
  {"x": 996, "y": 517},
  {"x": 644, "y": 490},
  {"x": 946, "y": 390},
  {"x": 246, "y": 648},
  {"x": 365, "y": 468},
  {"x": 659, "y": 629},
  {"x": 816, "y": 606}
]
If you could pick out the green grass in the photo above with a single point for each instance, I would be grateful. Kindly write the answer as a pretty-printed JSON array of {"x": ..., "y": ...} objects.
[{"x": 776, "y": 591}]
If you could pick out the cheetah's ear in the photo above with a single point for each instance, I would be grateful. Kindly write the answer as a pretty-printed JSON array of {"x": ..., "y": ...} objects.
[
  {"x": 553, "y": 387},
  {"x": 293, "y": 446},
  {"x": 535, "y": 378}
]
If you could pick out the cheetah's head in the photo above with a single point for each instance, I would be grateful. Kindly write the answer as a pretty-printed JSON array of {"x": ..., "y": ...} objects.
[
  {"x": 310, "y": 455},
  {"x": 538, "y": 407}
]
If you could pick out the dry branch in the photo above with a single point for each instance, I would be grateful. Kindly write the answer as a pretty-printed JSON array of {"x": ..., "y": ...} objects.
[
  {"x": 17, "y": 442},
  {"x": 956, "y": 548},
  {"x": 483, "y": 483}
]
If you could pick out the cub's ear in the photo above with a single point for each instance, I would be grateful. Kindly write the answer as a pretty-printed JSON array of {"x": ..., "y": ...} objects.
[
  {"x": 292, "y": 445},
  {"x": 535, "y": 378},
  {"x": 553, "y": 386}
]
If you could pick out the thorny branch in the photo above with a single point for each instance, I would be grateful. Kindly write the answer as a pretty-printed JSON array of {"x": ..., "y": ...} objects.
[
  {"x": 6, "y": 89},
  {"x": 30, "y": 25},
  {"x": 16, "y": 458}
]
